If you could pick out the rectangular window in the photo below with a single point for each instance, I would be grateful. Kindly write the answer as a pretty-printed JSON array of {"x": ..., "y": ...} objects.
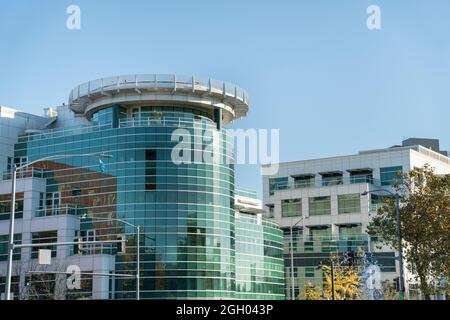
[
  {"x": 4, "y": 240},
  {"x": 332, "y": 179},
  {"x": 150, "y": 169},
  {"x": 304, "y": 181},
  {"x": 5, "y": 206},
  {"x": 41, "y": 200},
  {"x": 319, "y": 206},
  {"x": 44, "y": 237},
  {"x": 291, "y": 208},
  {"x": 76, "y": 192},
  {"x": 350, "y": 230},
  {"x": 15, "y": 280},
  {"x": 56, "y": 199},
  {"x": 390, "y": 175},
  {"x": 21, "y": 161},
  {"x": 278, "y": 184},
  {"x": 9, "y": 165},
  {"x": 319, "y": 233},
  {"x": 349, "y": 203},
  {"x": 309, "y": 272}
]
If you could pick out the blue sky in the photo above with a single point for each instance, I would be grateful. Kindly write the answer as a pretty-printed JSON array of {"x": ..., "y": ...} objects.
[{"x": 312, "y": 68}]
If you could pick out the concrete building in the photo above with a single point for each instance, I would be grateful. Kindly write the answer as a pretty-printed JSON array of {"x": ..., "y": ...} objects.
[
  {"x": 198, "y": 239},
  {"x": 326, "y": 194}
]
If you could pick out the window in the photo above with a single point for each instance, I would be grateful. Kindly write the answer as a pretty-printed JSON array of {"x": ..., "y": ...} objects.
[
  {"x": 43, "y": 237},
  {"x": 4, "y": 240},
  {"x": 150, "y": 169},
  {"x": 361, "y": 178},
  {"x": 277, "y": 184},
  {"x": 55, "y": 202},
  {"x": 319, "y": 205},
  {"x": 291, "y": 207},
  {"x": 389, "y": 175},
  {"x": 319, "y": 233},
  {"x": 332, "y": 179},
  {"x": 349, "y": 203},
  {"x": 56, "y": 199},
  {"x": 41, "y": 200},
  {"x": 20, "y": 161},
  {"x": 349, "y": 230},
  {"x": 304, "y": 181},
  {"x": 309, "y": 272},
  {"x": 5, "y": 206},
  {"x": 15, "y": 280},
  {"x": 9, "y": 165}
]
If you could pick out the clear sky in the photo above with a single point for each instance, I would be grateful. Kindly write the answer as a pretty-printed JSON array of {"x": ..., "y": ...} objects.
[{"x": 311, "y": 67}]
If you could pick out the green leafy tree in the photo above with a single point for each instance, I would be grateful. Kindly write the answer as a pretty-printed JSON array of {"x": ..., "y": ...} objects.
[{"x": 424, "y": 224}]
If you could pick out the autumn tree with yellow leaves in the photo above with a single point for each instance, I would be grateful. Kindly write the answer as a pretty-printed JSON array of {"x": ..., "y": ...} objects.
[{"x": 347, "y": 282}]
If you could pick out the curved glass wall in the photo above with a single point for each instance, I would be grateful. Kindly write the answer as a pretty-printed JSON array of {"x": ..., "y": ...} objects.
[
  {"x": 259, "y": 259},
  {"x": 185, "y": 211}
]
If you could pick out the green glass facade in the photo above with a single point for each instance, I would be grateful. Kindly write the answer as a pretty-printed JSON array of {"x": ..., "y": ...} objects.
[
  {"x": 192, "y": 247},
  {"x": 259, "y": 259}
]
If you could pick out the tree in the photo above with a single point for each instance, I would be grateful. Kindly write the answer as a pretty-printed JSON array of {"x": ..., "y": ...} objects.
[
  {"x": 424, "y": 225},
  {"x": 347, "y": 281},
  {"x": 388, "y": 291}
]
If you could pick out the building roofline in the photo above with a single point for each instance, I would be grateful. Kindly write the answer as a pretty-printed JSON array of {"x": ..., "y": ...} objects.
[
  {"x": 417, "y": 148},
  {"x": 170, "y": 89}
]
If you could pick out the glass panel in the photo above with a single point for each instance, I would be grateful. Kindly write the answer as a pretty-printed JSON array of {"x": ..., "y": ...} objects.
[
  {"x": 291, "y": 207},
  {"x": 319, "y": 205},
  {"x": 349, "y": 203},
  {"x": 389, "y": 175}
]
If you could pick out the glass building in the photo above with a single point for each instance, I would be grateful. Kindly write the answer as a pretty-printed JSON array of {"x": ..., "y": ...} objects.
[{"x": 195, "y": 243}]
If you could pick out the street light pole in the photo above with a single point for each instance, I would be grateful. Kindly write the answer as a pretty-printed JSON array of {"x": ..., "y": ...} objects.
[
  {"x": 332, "y": 279},
  {"x": 396, "y": 197},
  {"x": 13, "y": 208},
  {"x": 11, "y": 234},
  {"x": 138, "y": 267},
  {"x": 400, "y": 247},
  {"x": 292, "y": 258}
]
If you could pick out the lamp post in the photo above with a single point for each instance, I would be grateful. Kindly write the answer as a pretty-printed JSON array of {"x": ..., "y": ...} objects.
[
  {"x": 396, "y": 197},
  {"x": 13, "y": 207},
  {"x": 292, "y": 257},
  {"x": 333, "y": 294},
  {"x": 138, "y": 247}
]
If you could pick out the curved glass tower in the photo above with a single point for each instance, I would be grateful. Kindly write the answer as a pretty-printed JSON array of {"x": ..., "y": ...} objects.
[{"x": 191, "y": 244}]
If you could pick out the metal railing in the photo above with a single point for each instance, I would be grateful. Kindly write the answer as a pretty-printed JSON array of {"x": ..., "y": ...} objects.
[
  {"x": 246, "y": 193},
  {"x": 274, "y": 186},
  {"x": 25, "y": 173},
  {"x": 65, "y": 209},
  {"x": 324, "y": 244},
  {"x": 164, "y": 121},
  {"x": 62, "y": 132},
  {"x": 157, "y": 82},
  {"x": 152, "y": 121}
]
